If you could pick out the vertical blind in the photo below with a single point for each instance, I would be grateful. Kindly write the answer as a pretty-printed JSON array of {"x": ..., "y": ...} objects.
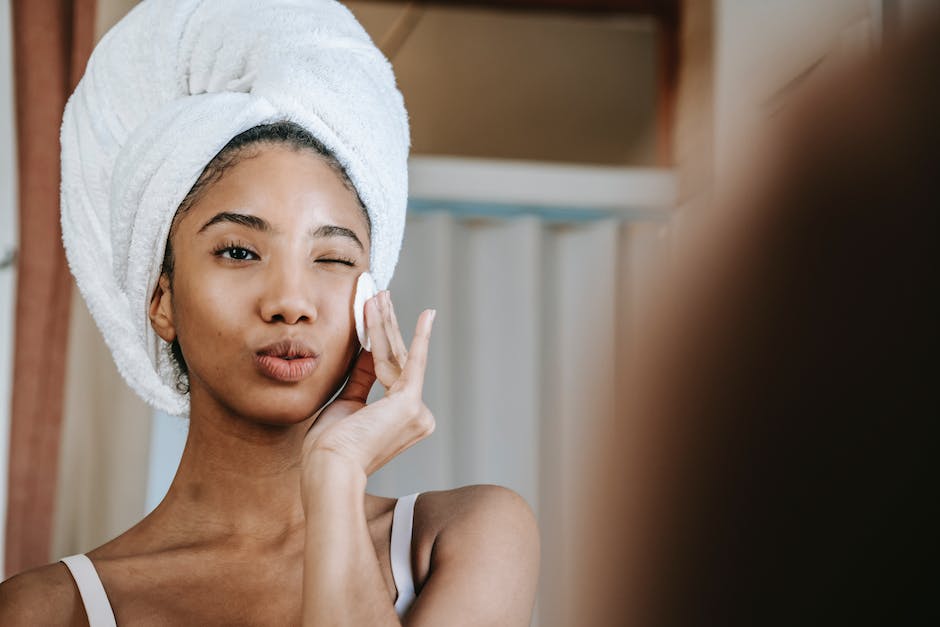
[{"x": 524, "y": 358}]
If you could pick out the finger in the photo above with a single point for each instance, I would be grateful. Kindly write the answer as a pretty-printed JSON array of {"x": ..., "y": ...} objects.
[
  {"x": 376, "y": 329},
  {"x": 412, "y": 376},
  {"x": 394, "y": 332},
  {"x": 361, "y": 380},
  {"x": 386, "y": 367}
]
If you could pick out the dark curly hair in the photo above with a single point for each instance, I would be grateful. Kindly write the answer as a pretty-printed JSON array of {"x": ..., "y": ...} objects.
[{"x": 283, "y": 133}]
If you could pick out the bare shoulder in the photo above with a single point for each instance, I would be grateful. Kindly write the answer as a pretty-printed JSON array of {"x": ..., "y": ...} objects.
[
  {"x": 475, "y": 507},
  {"x": 45, "y": 595},
  {"x": 481, "y": 521},
  {"x": 484, "y": 556}
]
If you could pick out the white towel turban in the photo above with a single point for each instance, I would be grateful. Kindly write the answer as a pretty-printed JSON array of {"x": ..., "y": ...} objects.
[{"x": 164, "y": 90}]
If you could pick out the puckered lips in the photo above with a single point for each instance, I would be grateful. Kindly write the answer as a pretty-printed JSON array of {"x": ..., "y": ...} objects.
[{"x": 289, "y": 360}]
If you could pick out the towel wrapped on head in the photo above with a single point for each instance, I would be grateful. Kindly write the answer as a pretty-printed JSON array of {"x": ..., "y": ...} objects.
[{"x": 164, "y": 90}]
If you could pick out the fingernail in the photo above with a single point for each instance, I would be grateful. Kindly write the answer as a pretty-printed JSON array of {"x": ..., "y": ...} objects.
[{"x": 433, "y": 314}]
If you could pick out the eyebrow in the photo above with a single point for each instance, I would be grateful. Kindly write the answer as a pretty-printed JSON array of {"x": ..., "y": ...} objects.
[{"x": 260, "y": 224}]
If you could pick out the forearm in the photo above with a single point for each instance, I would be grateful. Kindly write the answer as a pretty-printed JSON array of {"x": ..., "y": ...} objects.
[{"x": 342, "y": 582}]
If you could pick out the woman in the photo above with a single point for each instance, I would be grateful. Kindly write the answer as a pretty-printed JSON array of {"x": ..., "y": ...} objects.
[{"x": 267, "y": 520}]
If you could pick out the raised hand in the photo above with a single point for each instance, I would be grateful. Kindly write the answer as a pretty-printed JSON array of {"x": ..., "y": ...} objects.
[{"x": 371, "y": 435}]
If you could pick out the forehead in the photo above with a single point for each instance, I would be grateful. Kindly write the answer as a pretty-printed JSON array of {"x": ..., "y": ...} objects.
[{"x": 289, "y": 188}]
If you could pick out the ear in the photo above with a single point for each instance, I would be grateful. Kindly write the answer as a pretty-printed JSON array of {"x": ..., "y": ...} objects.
[{"x": 161, "y": 310}]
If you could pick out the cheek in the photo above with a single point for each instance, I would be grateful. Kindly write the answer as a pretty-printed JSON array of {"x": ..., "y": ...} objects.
[
  {"x": 337, "y": 324},
  {"x": 231, "y": 314},
  {"x": 216, "y": 317},
  {"x": 211, "y": 321}
]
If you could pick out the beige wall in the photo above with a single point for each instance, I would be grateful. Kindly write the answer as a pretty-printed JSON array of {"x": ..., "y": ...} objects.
[{"x": 525, "y": 85}]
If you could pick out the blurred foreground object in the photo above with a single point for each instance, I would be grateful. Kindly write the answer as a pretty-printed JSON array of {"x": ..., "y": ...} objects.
[{"x": 774, "y": 462}]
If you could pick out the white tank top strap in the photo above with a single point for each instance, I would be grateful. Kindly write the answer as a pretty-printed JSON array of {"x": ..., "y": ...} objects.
[
  {"x": 100, "y": 614},
  {"x": 400, "y": 550},
  {"x": 94, "y": 598}
]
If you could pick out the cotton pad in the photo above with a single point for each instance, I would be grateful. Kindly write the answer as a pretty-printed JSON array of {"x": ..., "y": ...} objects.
[{"x": 365, "y": 289}]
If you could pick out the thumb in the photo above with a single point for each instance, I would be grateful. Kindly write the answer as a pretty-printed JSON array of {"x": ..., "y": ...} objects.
[{"x": 361, "y": 380}]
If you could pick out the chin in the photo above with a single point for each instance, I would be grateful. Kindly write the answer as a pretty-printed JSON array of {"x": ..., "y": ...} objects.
[
  {"x": 278, "y": 407},
  {"x": 288, "y": 412},
  {"x": 265, "y": 401}
]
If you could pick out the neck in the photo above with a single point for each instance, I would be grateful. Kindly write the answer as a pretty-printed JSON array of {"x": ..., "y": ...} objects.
[{"x": 238, "y": 480}]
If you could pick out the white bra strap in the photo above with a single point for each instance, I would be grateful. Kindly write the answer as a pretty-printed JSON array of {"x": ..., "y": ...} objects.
[
  {"x": 92, "y": 592},
  {"x": 400, "y": 550}
]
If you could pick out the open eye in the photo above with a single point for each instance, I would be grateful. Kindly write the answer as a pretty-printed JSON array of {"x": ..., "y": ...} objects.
[{"x": 238, "y": 251}]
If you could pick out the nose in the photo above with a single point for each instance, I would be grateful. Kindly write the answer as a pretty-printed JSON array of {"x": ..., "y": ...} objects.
[{"x": 288, "y": 295}]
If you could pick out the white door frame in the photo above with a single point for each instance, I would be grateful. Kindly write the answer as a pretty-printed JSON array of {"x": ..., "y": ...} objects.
[
  {"x": 8, "y": 244},
  {"x": 540, "y": 187}
]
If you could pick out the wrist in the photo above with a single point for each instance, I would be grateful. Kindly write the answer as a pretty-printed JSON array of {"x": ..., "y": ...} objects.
[{"x": 326, "y": 469}]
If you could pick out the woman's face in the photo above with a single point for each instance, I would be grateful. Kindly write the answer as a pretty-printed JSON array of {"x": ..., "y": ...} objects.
[{"x": 270, "y": 252}]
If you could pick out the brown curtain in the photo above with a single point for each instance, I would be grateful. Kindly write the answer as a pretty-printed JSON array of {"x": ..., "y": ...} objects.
[{"x": 52, "y": 40}]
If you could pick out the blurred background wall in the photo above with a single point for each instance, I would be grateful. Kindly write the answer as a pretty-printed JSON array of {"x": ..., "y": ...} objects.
[{"x": 554, "y": 152}]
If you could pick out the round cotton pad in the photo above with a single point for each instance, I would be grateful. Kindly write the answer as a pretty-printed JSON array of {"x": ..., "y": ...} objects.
[{"x": 365, "y": 289}]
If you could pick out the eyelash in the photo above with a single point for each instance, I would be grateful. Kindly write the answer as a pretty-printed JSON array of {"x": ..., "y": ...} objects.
[{"x": 230, "y": 245}]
